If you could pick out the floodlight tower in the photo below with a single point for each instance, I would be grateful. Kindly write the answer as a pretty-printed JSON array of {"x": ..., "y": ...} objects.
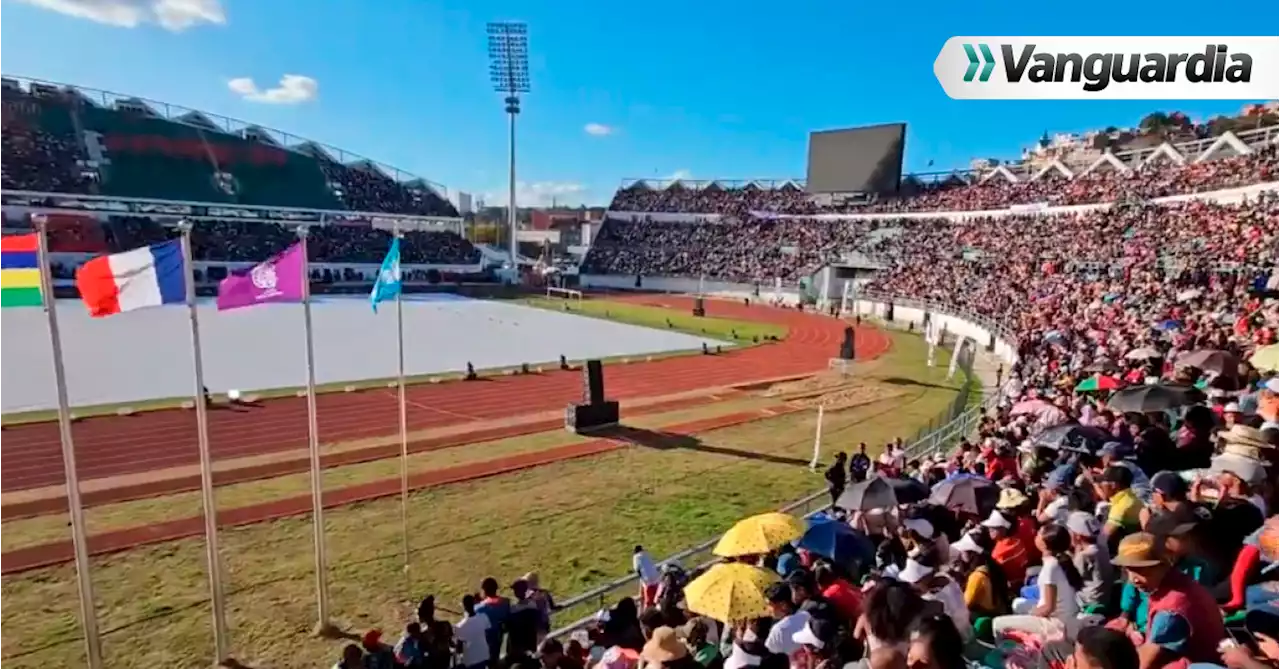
[{"x": 509, "y": 72}]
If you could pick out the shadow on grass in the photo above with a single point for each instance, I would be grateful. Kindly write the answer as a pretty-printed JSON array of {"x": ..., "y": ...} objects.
[
  {"x": 664, "y": 441},
  {"x": 899, "y": 381}
]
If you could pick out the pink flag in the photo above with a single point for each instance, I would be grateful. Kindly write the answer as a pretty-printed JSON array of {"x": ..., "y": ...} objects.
[{"x": 277, "y": 279}]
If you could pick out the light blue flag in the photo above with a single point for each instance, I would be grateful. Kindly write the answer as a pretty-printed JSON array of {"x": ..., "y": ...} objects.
[{"x": 387, "y": 285}]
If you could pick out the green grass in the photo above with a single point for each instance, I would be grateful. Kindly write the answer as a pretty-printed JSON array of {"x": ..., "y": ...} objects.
[
  {"x": 573, "y": 522},
  {"x": 654, "y": 317},
  {"x": 663, "y": 319}
]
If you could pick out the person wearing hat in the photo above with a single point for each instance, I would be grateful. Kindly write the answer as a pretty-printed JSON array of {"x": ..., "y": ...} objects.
[
  {"x": 1183, "y": 621},
  {"x": 1234, "y": 476},
  {"x": 1114, "y": 453},
  {"x": 1174, "y": 528},
  {"x": 1092, "y": 560},
  {"x": 1006, "y": 549},
  {"x": 1016, "y": 505},
  {"x": 818, "y": 646},
  {"x": 986, "y": 588},
  {"x": 379, "y": 655},
  {"x": 665, "y": 650}
]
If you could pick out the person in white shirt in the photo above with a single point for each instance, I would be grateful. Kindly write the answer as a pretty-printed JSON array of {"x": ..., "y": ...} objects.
[
  {"x": 470, "y": 631},
  {"x": 789, "y": 620},
  {"x": 1057, "y": 609},
  {"x": 650, "y": 577}
]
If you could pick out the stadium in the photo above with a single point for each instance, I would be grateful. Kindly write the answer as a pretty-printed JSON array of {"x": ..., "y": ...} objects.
[{"x": 1006, "y": 347}]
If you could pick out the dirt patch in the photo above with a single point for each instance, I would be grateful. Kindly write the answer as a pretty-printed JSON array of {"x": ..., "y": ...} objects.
[
  {"x": 819, "y": 382},
  {"x": 848, "y": 397}
]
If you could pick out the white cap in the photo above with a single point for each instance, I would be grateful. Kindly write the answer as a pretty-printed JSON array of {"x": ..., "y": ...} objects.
[
  {"x": 1231, "y": 407},
  {"x": 806, "y": 637},
  {"x": 966, "y": 544},
  {"x": 996, "y": 519},
  {"x": 914, "y": 572},
  {"x": 920, "y": 526}
]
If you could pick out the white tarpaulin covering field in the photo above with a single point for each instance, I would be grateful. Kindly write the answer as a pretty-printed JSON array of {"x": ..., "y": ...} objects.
[{"x": 147, "y": 354}]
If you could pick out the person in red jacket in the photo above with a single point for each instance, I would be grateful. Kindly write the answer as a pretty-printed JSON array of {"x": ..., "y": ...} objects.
[
  {"x": 846, "y": 599},
  {"x": 1184, "y": 622}
]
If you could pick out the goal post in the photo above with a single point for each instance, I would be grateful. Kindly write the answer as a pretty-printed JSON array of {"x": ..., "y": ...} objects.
[{"x": 554, "y": 292}]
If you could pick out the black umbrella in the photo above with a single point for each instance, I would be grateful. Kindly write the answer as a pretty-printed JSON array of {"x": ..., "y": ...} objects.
[
  {"x": 873, "y": 493},
  {"x": 1156, "y": 397},
  {"x": 908, "y": 490},
  {"x": 966, "y": 492},
  {"x": 1073, "y": 437},
  {"x": 1211, "y": 360}
]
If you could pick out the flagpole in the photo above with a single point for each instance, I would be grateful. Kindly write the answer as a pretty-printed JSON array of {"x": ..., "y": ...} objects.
[
  {"x": 404, "y": 424},
  {"x": 79, "y": 540},
  {"x": 213, "y": 556},
  {"x": 323, "y": 625}
]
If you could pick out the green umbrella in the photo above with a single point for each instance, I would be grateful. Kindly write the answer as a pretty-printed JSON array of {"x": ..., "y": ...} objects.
[{"x": 1096, "y": 383}]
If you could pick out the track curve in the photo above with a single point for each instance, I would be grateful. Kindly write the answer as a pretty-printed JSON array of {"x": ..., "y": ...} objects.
[{"x": 119, "y": 445}]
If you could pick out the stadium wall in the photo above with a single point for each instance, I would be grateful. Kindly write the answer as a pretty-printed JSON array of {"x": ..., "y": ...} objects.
[{"x": 899, "y": 312}]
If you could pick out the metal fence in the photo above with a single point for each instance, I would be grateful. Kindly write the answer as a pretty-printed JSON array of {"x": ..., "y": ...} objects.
[{"x": 956, "y": 422}]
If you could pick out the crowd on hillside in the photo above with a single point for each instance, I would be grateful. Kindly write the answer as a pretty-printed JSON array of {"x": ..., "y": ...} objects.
[{"x": 993, "y": 191}]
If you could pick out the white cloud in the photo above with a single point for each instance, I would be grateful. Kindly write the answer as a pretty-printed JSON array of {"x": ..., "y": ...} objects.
[
  {"x": 598, "y": 129},
  {"x": 293, "y": 89},
  {"x": 682, "y": 174},
  {"x": 539, "y": 194},
  {"x": 175, "y": 15}
]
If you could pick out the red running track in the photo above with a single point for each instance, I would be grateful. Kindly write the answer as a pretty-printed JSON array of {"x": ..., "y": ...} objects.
[{"x": 119, "y": 445}]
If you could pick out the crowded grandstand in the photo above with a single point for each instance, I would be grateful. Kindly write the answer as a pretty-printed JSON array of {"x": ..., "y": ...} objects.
[{"x": 1116, "y": 507}]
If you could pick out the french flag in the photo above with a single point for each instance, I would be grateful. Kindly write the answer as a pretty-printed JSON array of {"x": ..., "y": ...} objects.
[{"x": 137, "y": 279}]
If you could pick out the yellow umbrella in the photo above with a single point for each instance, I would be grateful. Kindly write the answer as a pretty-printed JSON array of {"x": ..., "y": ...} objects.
[
  {"x": 1267, "y": 358},
  {"x": 759, "y": 534},
  {"x": 729, "y": 592}
]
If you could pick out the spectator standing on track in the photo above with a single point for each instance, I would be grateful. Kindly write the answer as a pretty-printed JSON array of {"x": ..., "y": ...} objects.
[
  {"x": 497, "y": 609},
  {"x": 472, "y": 633},
  {"x": 650, "y": 578}
]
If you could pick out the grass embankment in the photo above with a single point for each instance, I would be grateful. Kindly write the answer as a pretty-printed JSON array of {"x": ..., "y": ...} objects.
[
  {"x": 631, "y": 314},
  {"x": 574, "y": 522}
]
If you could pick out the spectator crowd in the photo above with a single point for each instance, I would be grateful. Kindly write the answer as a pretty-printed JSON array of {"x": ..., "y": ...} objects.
[
  {"x": 993, "y": 191},
  {"x": 1116, "y": 508}
]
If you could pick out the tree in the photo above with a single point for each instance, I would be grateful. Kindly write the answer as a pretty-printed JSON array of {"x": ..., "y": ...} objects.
[{"x": 1156, "y": 123}]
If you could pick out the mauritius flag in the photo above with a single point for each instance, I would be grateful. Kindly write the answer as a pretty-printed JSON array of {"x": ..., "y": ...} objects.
[{"x": 20, "y": 271}]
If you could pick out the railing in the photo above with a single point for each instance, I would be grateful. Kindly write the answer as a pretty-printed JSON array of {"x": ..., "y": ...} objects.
[{"x": 955, "y": 423}]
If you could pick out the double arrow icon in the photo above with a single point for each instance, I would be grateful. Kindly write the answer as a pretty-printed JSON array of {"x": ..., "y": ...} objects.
[{"x": 988, "y": 62}]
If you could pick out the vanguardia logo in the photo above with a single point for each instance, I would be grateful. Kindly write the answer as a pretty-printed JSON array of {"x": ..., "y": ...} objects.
[
  {"x": 988, "y": 62},
  {"x": 1109, "y": 67}
]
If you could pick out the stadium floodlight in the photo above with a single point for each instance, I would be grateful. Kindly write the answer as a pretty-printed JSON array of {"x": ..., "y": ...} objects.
[{"x": 509, "y": 72}]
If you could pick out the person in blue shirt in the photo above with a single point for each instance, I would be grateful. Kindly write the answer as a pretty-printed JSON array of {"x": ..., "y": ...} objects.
[{"x": 497, "y": 608}]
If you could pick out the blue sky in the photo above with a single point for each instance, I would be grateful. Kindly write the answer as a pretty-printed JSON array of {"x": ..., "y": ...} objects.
[{"x": 710, "y": 89}]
